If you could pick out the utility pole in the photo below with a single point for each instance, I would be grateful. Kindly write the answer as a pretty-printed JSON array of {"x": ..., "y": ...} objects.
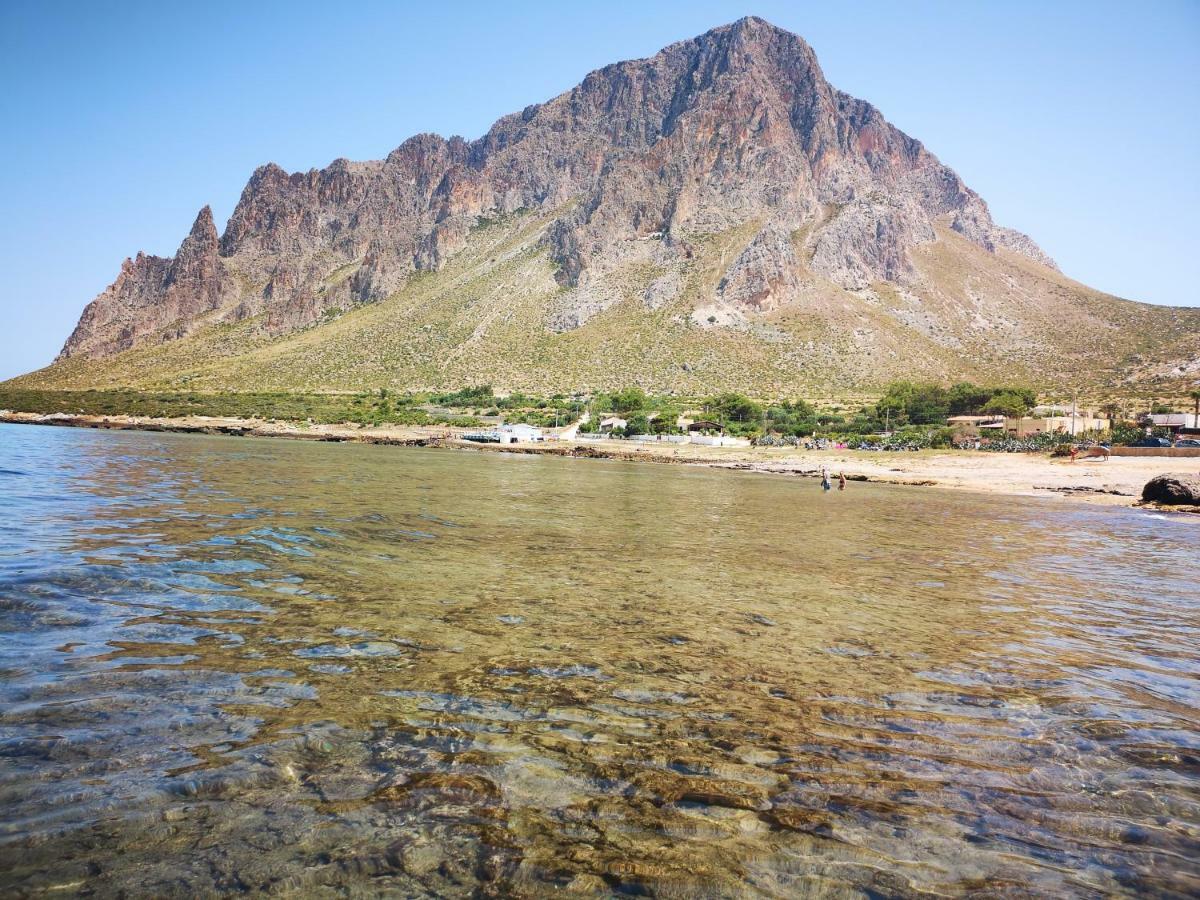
[{"x": 1074, "y": 400}]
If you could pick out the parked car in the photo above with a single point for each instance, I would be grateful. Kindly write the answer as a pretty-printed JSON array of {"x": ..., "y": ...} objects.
[
  {"x": 1151, "y": 442},
  {"x": 1188, "y": 442}
]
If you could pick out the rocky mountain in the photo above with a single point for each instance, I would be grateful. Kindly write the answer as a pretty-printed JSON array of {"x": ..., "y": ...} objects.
[{"x": 717, "y": 214}]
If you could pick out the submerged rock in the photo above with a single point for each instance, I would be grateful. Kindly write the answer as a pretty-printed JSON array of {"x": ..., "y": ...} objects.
[{"x": 1172, "y": 490}]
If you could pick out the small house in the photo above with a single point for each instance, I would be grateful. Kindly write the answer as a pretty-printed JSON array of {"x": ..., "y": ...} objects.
[
  {"x": 1027, "y": 426},
  {"x": 1178, "y": 424},
  {"x": 612, "y": 423},
  {"x": 976, "y": 426},
  {"x": 519, "y": 434}
]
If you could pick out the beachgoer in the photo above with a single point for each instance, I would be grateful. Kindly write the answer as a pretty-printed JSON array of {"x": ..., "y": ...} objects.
[
  {"x": 825, "y": 482},
  {"x": 841, "y": 481}
]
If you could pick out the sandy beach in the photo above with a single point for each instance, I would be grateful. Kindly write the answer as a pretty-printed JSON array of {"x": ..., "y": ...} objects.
[{"x": 1115, "y": 482}]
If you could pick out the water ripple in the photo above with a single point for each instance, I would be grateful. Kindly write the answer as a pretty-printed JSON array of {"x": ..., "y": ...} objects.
[{"x": 317, "y": 669}]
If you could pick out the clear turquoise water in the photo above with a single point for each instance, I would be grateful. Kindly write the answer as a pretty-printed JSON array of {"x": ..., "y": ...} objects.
[{"x": 326, "y": 670}]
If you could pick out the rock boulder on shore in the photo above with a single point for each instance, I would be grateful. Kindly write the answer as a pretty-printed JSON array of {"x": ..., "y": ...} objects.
[{"x": 1172, "y": 490}]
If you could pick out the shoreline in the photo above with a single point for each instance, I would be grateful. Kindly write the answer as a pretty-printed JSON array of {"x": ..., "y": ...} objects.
[{"x": 1116, "y": 482}]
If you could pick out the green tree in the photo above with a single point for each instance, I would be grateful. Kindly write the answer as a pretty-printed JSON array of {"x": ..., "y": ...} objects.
[
  {"x": 800, "y": 409},
  {"x": 794, "y": 417},
  {"x": 1008, "y": 403},
  {"x": 627, "y": 400},
  {"x": 893, "y": 405},
  {"x": 736, "y": 408},
  {"x": 965, "y": 398},
  {"x": 637, "y": 424},
  {"x": 664, "y": 421},
  {"x": 475, "y": 395},
  {"x": 928, "y": 405},
  {"x": 920, "y": 404},
  {"x": 1028, "y": 395}
]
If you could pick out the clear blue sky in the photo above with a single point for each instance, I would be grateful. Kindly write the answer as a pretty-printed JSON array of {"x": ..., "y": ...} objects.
[{"x": 1078, "y": 122}]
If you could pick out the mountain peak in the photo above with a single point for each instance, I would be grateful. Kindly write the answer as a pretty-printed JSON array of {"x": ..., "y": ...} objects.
[
  {"x": 720, "y": 193},
  {"x": 757, "y": 37},
  {"x": 204, "y": 229},
  {"x": 749, "y": 27}
]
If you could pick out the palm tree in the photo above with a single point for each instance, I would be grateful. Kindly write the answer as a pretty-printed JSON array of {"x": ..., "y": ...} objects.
[{"x": 1195, "y": 395}]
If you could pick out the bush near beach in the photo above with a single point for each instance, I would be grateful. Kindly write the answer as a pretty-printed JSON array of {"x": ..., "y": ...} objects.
[{"x": 907, "y": 415}]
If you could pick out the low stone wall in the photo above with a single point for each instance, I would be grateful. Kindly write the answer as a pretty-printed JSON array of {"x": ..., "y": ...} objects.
[
  {"x": 1176, "y": 452},
  {"x": 660, "y": 438}
]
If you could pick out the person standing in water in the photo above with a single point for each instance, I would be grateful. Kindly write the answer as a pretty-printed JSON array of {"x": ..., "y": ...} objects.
[
  {"x": 825, "y": 482},
  {"x": 841, "y": 481}
]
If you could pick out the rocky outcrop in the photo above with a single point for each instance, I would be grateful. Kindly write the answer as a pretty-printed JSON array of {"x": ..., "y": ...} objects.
[
  {"x": 734, "y": 126},
  {"x": 765, "y": 274},
  {"x": 1173, "y": 490},
  {"x": 1023, "y": 244},
  {"x": 868, "y": 241},
  {"x": 156, "y": 299}
]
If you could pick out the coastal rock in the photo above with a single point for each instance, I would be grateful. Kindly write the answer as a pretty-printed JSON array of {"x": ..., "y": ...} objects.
[{"x": 1172, "y": 490}]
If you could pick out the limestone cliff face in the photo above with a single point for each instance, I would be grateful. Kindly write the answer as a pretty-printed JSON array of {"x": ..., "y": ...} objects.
[
  {"x": 156, "y": 299},
  {"x": 733, "y": 127}
]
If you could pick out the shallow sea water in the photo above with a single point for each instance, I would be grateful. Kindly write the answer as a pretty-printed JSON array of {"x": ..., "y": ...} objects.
[{"x": 340, "y": 670}]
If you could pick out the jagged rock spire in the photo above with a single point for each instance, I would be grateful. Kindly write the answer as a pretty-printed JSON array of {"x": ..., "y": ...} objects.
[{"x": 155, "y": 298}]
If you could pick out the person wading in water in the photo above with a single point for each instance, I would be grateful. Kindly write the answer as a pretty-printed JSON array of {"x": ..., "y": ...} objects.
[
  {"x": 825, "y": 482},
  {"x": 841, "y": 481}
]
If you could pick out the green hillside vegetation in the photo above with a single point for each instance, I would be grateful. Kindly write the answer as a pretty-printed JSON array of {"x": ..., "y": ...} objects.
[
  {"x": 909, "y": 414},
  {"x": 378, "y": 408},
  {"x": 924, "y": 403},
  {"x": 485, "y": 318}
]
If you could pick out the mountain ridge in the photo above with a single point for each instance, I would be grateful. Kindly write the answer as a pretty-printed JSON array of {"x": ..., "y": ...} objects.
[{"x": 630, "y": 174}]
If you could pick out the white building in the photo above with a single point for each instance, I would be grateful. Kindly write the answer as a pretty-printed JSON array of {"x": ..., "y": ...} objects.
[
  {"x": 1176, "y": 420},
  {"x": 519, "y": 433}
]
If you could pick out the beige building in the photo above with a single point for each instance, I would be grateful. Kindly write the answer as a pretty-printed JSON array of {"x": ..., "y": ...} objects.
[
  {"x": 969, "y": 422},
  {"x": 1063, "y": 424}
]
